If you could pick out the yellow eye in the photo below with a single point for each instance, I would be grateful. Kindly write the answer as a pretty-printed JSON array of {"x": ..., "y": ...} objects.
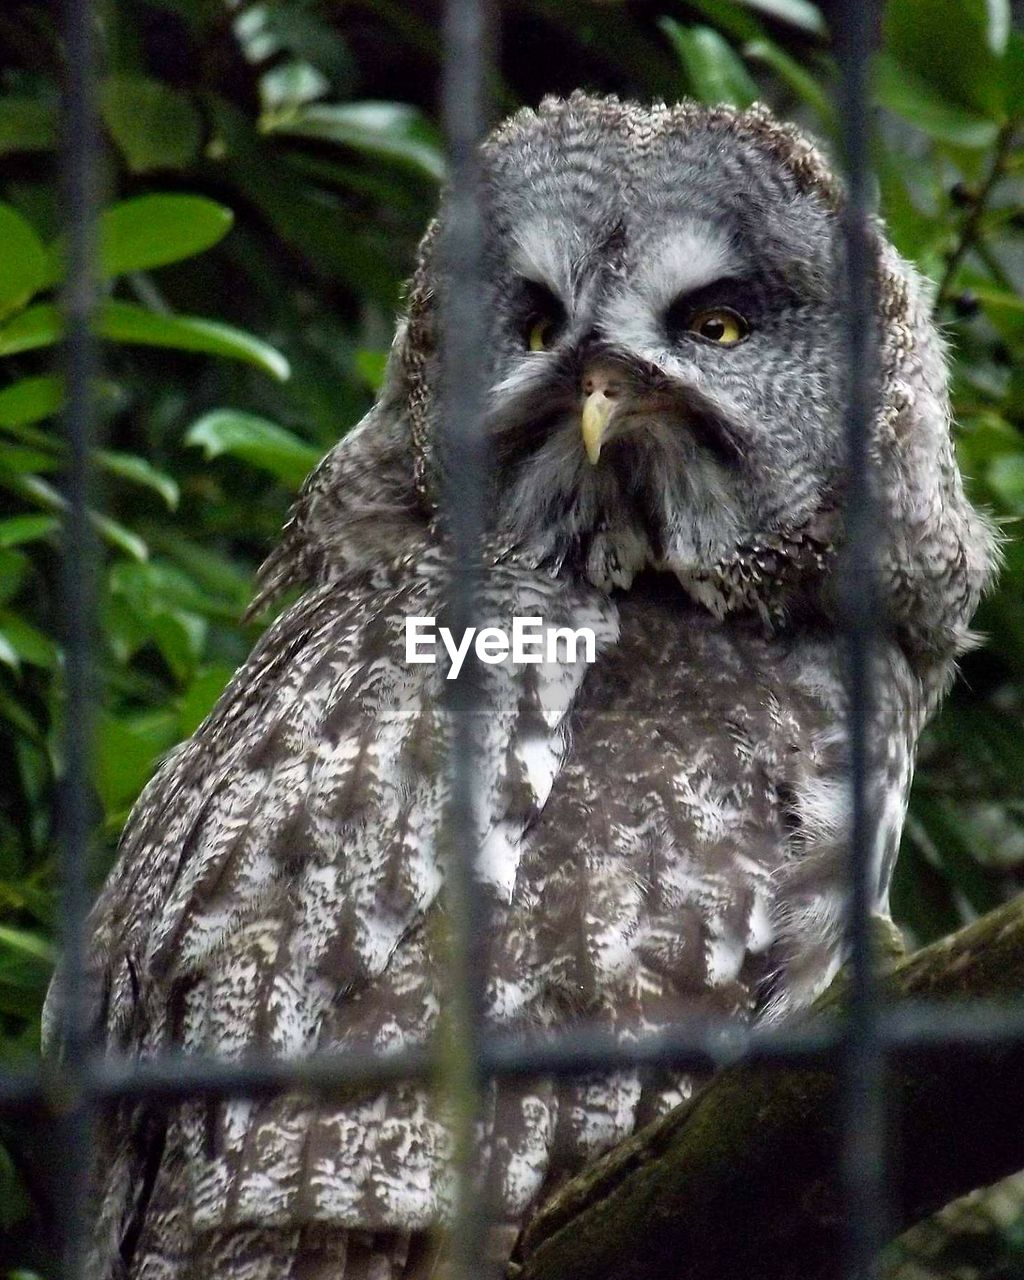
[
  {"x": 541, "y": 333},
  {"x": 720, "y": 325}
]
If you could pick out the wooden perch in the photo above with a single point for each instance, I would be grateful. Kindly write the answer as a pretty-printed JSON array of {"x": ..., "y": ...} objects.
[{"x": 741, "y": 1183}]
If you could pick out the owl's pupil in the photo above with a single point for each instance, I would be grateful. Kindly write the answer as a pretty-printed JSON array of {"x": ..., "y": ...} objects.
[{"x": 713, "y": 329}]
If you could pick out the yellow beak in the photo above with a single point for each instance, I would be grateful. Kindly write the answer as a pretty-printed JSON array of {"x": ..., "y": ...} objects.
[
  {"x": 597, "y": 410},
  {"x": 602, "y": 387}
]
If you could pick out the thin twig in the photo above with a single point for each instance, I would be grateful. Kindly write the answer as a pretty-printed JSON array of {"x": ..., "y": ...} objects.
[
  {"x": 993, "y": 265},
  {"x": 972, "y": 223}
]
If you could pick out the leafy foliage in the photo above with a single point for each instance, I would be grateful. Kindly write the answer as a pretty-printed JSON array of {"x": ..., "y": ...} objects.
[{"x": 270, "y": 164}]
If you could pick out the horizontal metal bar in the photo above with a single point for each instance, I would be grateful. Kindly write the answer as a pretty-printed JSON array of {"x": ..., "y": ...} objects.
[
  {"x": 703, "y": 1044},
  {"x": 979, "y": 1025}
]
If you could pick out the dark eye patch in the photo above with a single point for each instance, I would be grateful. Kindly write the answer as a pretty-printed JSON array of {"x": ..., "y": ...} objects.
[
  {"x": 729, "y": 293},
  {"x": 536, "y": 304}
]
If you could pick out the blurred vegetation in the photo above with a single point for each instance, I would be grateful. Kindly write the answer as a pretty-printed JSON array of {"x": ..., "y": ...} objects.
[{"x": 269, "y": 167}]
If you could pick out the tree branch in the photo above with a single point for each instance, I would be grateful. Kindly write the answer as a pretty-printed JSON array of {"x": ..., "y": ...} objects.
[
  {"x": 742, "y": 1183},
  {"x": 971, "y": 229}
]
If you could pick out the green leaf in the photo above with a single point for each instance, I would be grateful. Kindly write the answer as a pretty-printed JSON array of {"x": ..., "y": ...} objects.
[
  {"x": 22, "y": 260},
  {"x": 914, "y": 233},
  {"x": 953, "y": 47},
  {"x": 20, "y": 529},
  {"x": 154, "y": 127},
  {"x": 14, "y": 566},
  {"x": 150, "y": 231},
  {"x": 126, "y": 322},
  {"x": 290, "y": 85},
  {"x": 922, "y": 897},
  {"x": 30, "y": 400},
  {"x": 1014, "y": 64},
  {"x": 41, "y": 326},
  {"x": 180, "y": 637},
  {"x": 27, "y": 124},
  {"x": 267, "y": 29},
  {"x": 26, "y": 641},
  {"x": 120, "y": 537},
  {"x": 16, "y": 460},
  {"x": 15, "y": 714},
  {"x": 163, "y": 588},
  {"x": 798, "y": 13},
  {"x": 319, "y": 229},
  {"x": 254, "y": 31},
  {"x": 1004, "y": 309},
  {"x": 384, "y": 130},
  {"x": 900, "y": 91},
  {"x": 200, "y": 698},
  {"x": 136, "y": 470},
  {"x": 27, "y": 944},
  {"x": 228, "y": 585},
  {"x": 999, "y": 19},
  {"x": 125, "y": 629},
  {"x": 256, "y": 441},
  {"x": 1005, "y": 476},
  {"x": 37, "y": 326},
  {"x": 127, "y": 749},
  {"x": 8, "y": 654},
  {"x": 40, "y": 492},
  {"x": 951, "y": 851},
  {"x": 805, "y": 85},
  {"x": 730, "y": 18},
  {"x": 371, "y": 366},
  {"x": 714, "y": 71}
]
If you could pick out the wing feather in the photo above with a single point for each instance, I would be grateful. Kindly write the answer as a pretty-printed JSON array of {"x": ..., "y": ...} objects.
[{"x": 279, "y": 887}]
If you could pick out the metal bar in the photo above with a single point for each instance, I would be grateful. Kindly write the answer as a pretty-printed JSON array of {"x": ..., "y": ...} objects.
[
  {"x": 705, "y": 1044},
  {"x": 79, "y": 559},
  {"x": 464, "y": 466},
  {"x": 174, "y": 1077},
  {"x": 701, "y": 1048},
  {"x": 863, "y": 1154},
  {"x": 702, "y": 1044}
]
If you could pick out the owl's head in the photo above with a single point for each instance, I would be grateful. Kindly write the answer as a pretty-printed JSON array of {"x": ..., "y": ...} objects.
[{"x": 664, "y": 347}]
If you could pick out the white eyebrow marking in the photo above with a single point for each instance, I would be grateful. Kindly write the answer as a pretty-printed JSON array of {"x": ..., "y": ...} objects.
[
  {"x": 540, "y": 252},
  {"x": 686, "y": 259}
]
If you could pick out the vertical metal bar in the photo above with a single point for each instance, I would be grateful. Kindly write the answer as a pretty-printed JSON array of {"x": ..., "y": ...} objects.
[
  {"x": 79, "y": 169},
  {"x": 862, "y": 1100},
  {"x": 463, "y": 514}
]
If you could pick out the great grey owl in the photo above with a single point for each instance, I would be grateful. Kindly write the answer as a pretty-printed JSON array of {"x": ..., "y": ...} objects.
[{"x": 662, "y": 830}]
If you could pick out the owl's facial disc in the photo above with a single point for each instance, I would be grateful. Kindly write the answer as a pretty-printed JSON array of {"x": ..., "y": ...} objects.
[{"x": 665, "y": 388}]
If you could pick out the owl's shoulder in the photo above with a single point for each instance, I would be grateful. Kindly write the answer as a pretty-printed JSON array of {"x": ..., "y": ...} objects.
[
  {"x": 357, "y": 512},
  {"x": 303, "y": 813}
]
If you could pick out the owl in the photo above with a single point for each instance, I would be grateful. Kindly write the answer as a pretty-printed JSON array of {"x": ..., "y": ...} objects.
[{"x": 661, "y": 830}]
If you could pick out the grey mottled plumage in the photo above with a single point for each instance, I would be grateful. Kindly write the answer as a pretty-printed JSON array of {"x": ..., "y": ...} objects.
[{"x": 661, "y": 832}]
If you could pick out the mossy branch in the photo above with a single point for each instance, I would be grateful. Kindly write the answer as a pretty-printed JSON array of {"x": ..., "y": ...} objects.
[{"x": 741, "y": 1183}]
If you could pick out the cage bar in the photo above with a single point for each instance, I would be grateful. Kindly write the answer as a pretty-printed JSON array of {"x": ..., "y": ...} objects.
[
  {"x": 76, "y": 1118},
  {"x": 464, "y": 484},
  {"x": 863, "y": 1137}
]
